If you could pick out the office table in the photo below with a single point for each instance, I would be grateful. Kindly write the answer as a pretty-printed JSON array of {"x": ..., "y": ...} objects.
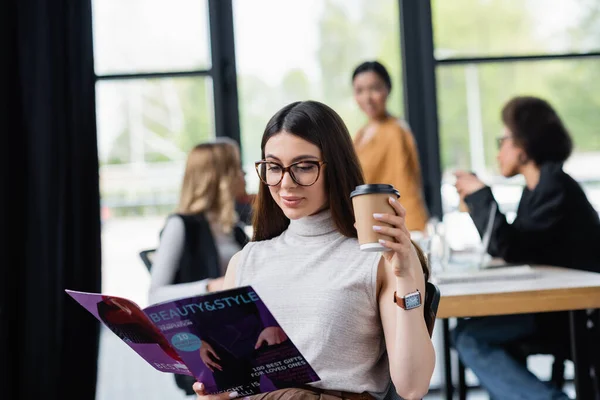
[{"x": 550, "y": 289}]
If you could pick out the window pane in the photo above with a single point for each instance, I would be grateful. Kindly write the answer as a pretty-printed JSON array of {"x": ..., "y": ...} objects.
[
  {"x": 464, "y": 28},
  {"x": 310, "y": 56},
  {"x": 470, "y": 100},
  {"x": 145, "y": 129},
  {"x": 150, "y": 36}
]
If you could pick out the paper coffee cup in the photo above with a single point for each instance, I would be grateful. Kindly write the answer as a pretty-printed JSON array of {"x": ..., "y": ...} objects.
[{"x": 366, "y": 201}]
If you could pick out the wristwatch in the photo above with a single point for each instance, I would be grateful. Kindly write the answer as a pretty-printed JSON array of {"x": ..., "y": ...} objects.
[{"x": 409, "y": 301}]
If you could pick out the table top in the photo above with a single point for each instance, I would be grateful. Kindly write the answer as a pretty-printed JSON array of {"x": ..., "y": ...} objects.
[{"x": 548, "y": 289}]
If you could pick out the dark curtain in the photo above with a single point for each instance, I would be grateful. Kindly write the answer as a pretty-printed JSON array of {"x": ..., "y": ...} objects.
[{"x": 50, "y": 200}]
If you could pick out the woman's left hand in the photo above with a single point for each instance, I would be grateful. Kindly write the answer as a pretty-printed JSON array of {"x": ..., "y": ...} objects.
[{"x": 402, "y": 247}]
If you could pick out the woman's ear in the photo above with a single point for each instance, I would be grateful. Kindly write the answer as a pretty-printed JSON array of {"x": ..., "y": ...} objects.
[{"x": 523, "y": 159}]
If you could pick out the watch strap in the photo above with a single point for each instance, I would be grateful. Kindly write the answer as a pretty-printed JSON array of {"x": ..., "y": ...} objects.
[{"x": 401, "y": 301}]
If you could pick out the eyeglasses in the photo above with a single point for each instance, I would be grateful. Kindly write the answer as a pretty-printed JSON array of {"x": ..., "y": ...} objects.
[
  {"x": 500, "y": 140},
  {"x": 304, "y": 173}
]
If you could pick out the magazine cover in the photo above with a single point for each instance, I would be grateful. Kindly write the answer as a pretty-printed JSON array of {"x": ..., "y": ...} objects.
[{"x": 228, "y": 340}]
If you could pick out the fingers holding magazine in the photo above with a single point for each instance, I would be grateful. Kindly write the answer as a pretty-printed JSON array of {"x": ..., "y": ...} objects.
[{"x": 201, "y": 393}]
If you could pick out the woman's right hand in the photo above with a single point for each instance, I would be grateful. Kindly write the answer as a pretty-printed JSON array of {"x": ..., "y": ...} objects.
[
  {"x": 467, "y": 183},
  {"x": 201, "y": 393}
]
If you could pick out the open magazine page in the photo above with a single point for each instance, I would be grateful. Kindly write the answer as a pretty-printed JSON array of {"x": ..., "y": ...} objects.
[
  {"x": 231, "y": 342},
  {"x": 127, "y": 320}
]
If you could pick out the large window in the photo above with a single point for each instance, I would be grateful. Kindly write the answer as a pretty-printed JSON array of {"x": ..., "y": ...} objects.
[
  {"x": 137, "y": 36},
  {"x": 528, "y": 47},
  {"x": 299, "y": 50},
  {"x": 155, "y": 101}
]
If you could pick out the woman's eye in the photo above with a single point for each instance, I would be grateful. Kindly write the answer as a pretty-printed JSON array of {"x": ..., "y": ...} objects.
[
  {"x": 305, "y": 167},
  {"x": 274, "y": 168}
]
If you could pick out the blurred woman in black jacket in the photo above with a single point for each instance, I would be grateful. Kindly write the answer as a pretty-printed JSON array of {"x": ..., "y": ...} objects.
[{"x": 555, "y": 225}]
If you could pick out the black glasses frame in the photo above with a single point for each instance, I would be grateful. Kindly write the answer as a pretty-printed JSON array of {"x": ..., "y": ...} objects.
[{"x": 288, "y": 169}]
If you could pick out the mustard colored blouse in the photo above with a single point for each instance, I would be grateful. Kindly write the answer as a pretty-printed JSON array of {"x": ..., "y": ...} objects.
[{"x": 390, "y": 156}]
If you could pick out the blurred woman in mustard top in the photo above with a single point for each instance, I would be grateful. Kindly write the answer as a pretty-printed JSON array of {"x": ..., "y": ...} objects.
[{"x": 385, "y": 146}]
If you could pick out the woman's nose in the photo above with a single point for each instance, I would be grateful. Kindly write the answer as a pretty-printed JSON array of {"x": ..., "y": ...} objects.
[{"x": 287, "y": 180}]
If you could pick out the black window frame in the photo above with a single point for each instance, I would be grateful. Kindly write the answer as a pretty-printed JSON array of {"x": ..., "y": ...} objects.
[
  {"x": 420, "y": 90},
  {"x": 222, "y": 70}
]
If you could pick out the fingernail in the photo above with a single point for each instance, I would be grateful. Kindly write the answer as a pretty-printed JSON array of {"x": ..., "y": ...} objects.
[
  {"x": 392, "y": 200},
  {"x": 198, "y": 386},
  {"x": 377, "y": 215},
  {"x": 376, "y": 228},
  {"x": 382, "y": 241},
  {"x": 233, "y": 395}
]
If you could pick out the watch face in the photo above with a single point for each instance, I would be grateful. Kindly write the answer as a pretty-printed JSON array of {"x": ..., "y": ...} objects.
[{"x": 412, "y": 300}]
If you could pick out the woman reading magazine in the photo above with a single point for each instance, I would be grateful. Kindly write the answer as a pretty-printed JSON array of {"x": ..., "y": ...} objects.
[{"x": 334, "y": 301}]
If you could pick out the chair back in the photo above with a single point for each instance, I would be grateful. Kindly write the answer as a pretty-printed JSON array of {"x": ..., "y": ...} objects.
[
  {"x": 432, "y": 301},
  {"x": 146, "y": 256}
]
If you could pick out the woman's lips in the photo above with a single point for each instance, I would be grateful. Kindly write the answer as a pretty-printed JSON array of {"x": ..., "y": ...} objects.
[{"x": 291, "y": 201}]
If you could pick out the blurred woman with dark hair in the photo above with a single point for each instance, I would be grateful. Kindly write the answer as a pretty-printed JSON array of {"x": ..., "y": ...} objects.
[
  {"x": 385, "y": 146},
  {"x": 555, "y": 225}
]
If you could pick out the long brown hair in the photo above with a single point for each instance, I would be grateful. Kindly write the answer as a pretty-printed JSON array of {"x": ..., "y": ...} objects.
[
  {"x": 320, "y": 125},
  {"x": 211, "y": 173}
]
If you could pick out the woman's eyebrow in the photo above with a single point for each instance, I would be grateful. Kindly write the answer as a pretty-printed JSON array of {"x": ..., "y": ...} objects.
[
  {"x": 304, "y": 157},
  {"x": 272, "y": 156},
  {"x": 295, "y": 159}
]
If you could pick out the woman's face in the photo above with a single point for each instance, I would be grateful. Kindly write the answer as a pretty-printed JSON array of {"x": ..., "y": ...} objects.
[
  {"x": 370, "y": 93},
  {"x": 294, "y": 200},
  {"x": 509, "y": 154},
  {"x": 239, "y": 183}
]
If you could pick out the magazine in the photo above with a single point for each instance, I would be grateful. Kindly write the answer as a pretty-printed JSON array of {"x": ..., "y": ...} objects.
[{"x": 228, "y": 340}]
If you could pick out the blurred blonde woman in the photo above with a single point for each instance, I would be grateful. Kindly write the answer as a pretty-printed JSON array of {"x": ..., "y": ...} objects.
[
  {"x": 200, "y": 238},
  {"x": 198, "y": 241}
]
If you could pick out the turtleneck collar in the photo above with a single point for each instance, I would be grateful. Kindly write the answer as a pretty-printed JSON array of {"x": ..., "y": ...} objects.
[{"x": 313, "y": 226}]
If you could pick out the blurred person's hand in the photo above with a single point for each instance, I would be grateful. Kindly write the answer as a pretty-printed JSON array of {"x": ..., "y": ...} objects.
[
  {"x": 208, "y": 356},
  {"x": 215, "y": 285},
  {"x": 467, "y": 183}
]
